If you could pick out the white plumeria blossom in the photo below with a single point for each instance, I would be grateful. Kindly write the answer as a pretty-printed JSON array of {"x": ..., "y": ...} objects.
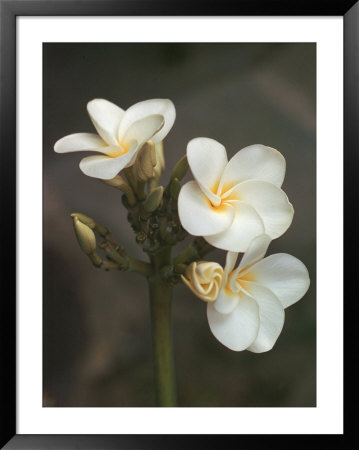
[
  {"x": 120, "y": 136},
  {"x": 248, "y": 313},
  {"x": 204, "y": 279},
  {"x": 230, "y": 203}
]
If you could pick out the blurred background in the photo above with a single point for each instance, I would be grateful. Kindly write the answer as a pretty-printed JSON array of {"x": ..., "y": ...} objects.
[{"x": 96, "y": 325}]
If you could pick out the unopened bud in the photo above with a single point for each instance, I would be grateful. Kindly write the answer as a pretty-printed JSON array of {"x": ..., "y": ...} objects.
[
  {"x": 152, "y": 152},
  {"x": 85, "y": 236},
  {"x": 204, "y": 279},
  {"x": 160, "y": 165},
  {"x": 153, "y": 200},
  {"x": 175, "y": 188},
  {"x": 145, "y": 162},
  {"x": 84, "y": 219},
  {"x": 180, "y": 169}
]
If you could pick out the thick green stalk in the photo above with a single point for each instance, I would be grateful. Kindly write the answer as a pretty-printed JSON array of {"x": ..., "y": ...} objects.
[{"x": 160, "y": 297}]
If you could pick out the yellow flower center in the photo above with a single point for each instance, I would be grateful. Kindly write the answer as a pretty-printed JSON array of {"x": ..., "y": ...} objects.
[
  {"x": 122, "y": 149},
  {"x": 225, "y": 195},
  {"x": 237, "y": 282}
]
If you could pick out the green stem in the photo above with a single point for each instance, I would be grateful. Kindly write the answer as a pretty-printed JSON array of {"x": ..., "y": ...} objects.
[
  {"x": 160, "y": 298},
  {"x": 140, "y": 267},
  {"x": 123, "y": 261},
  {"x": 186, "y": 256},
  {"x": 192, "y": 253}
]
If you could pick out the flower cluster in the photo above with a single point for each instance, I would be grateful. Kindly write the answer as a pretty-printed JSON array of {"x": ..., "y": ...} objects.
[
  {"x": 246, "y": 304},
  {"x": 239, "y": 206},
  {"x": 236, "y": 205}
]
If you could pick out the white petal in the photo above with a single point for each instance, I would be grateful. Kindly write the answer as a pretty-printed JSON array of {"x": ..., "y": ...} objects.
[
  {"x": 142, "y": 130},
  {"x": 255, "y": 252},
  {"x": 104, "y": 167},
  {"x": 207, "y": 159},
  {"x": 140, "y": 110},
  {"x": 271, "y": 203},
  {"x": 106, "y": 117},
  {"x": 231, "y": 259},
  {"x": 78, "y": 142},
  {"x": 226, "y": 301},
  {"x": 198, "y": 216},
  {"x": 255, "y": 162},
  {"x": 246, "y": 225},
  {"x": 286, "y": 276},
  {"x": 236, "y": 330},
  {"x": 271, "y": 317}
]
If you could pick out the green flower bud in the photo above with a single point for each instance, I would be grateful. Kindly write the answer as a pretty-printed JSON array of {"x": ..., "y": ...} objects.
[
  {"x": 145, "y": 162},
  {"x": 175, "y": 188},
  {"x": 84, "y": 219},
  {"x": 160, "y": 158},
  {"x": 180, "y": 169},
  {"x": 85, "y": 236},
  {"x": 153, "y": 200}
]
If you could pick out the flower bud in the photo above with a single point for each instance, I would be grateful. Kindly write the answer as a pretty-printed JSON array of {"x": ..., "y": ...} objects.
[
  {"x": 84, "y": 219},
  {"x": 85, "y": 236},
  {"x": 153, "y": 200},
  {"x": 160, "y": 158},
  {"x": 204, "y": 279},
  {"x": 175, "y": 188},
  {"x": 180, "y": 169},
  {"x": 145, "y": 162}
]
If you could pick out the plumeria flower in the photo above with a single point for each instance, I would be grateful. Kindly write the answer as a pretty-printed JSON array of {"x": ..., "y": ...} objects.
[
  {"x": 248, "y": 313},
  {"x": 230, "y": 203},
  {"x": 120, "y": 136}
]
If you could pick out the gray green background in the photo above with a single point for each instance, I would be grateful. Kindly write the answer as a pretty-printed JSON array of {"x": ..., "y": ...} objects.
[{"x": 96, "y": 326}]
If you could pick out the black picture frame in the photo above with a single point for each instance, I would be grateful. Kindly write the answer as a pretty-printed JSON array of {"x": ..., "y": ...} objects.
[{"x": 9, "y": 10}]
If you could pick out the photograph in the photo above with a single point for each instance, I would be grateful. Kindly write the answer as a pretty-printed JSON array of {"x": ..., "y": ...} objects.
[{"x": 179, "y": 224}]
